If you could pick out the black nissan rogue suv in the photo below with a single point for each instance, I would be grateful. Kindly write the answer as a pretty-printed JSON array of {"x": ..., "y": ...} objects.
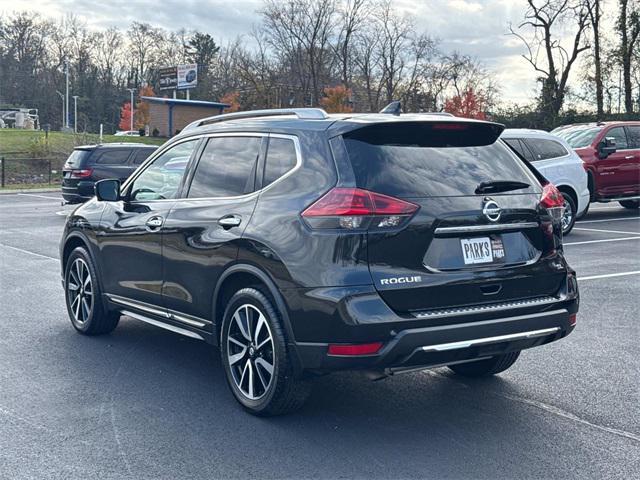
[{"x": 303, "y": 243}]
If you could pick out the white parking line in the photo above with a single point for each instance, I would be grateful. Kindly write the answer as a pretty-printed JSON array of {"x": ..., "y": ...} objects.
[
  {"x": 39, "y": 196},
  {"x": 606, "y": 231},
  {"x": 609, "y": 275},
  {"x": 609, "y": 220},
  {"x": 600, "y": 241},
  {"x": 27, "y": 251}
]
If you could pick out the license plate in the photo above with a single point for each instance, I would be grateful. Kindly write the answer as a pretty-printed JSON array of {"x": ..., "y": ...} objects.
[{"x": 477, "y": 250}]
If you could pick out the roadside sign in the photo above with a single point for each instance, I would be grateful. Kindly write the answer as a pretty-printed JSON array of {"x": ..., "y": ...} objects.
[
  {"x": 187, "y": 76},
  {"x": 168, "y": 78}
]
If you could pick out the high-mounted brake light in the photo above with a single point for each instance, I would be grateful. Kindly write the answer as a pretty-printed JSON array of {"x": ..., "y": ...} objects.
[
  {"x": 356, "y": 208},
  {"x": 355, "y": 349},
  {"x": 449, "y": 126}
]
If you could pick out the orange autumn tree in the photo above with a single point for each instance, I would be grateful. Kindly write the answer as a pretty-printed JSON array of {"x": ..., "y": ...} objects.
[
  {"x": 142, "y": 108},
  {"x": 231, "y": 98},
  {"x": 468, "y": 105},
  {"x": 125, "y": 116},
  {"x": 336, "y": 99}
]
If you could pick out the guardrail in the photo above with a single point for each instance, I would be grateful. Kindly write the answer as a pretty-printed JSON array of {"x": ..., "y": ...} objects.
[{"x": 14, "y": 171}]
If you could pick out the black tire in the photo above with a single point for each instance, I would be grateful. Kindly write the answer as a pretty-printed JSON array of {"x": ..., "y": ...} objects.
[
  {"x": 484, "y": 368},
  {"x": 569, "y": 214},
  {"x": 283, "y": 393},
  {"x": 93, "y": 319},
  {"x": 630, "y": 204}
]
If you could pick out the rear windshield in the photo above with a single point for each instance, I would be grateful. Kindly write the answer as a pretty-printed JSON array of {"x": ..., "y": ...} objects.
[
  {"x": 418, "y": 161},
  {"x": 76, "y": 157}
]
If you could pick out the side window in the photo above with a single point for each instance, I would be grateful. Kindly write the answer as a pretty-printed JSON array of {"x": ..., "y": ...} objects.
[
  {"x": 227, "y": 167},
  {"x": 633, "y": 136},
  {"x": 141, "y": 155},
  {"x": 544, "y": 149},
  {"x": 620, "y": 137},
  {"x": 521, "y": 148},
  {"x": 112, "y": 157},
  {"x": 281, "y": 157},
  {"x": 161, "y": 179}
]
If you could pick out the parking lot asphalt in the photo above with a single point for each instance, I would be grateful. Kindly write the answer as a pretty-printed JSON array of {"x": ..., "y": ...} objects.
[{"x": 145, "y": 403}]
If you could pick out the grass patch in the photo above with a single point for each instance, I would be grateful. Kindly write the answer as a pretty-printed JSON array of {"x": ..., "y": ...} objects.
[{"x": 16, "y": 143}]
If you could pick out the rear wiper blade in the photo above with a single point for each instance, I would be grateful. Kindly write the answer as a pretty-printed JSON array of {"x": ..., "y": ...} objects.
[{"x": 496, "y": 186}]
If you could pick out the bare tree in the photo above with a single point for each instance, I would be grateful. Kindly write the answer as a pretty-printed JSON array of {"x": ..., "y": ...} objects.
[
  {"x": 628, "y": 26},
  {"x": 143, "y": 43},
  {"x": 353, "y": 14},
  {"x": 595, "y": 15},
  {"x": 545, "y": 52}
]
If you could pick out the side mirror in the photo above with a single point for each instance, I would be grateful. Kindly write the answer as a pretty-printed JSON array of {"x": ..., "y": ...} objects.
[
  {"x": 607, "y": 147},
  {"x": 108, "y": 190}
]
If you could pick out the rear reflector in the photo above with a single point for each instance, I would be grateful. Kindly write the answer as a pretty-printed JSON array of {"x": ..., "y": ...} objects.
[
  {"x": 355, "y": 349},
  {"x": 353, "y": 208},
  {"x": 573, "y": 319}
]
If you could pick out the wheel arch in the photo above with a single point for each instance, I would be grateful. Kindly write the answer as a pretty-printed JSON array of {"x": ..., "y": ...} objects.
[
  {"x": 73, "y": 241},
  {"x": 569, "y": 190}
]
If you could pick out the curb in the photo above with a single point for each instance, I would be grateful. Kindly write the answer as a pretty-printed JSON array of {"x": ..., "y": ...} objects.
[{"x": 29, "y": 190}]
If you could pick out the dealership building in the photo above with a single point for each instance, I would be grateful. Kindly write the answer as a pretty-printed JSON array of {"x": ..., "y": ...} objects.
[{"x": 170, "y": 115}]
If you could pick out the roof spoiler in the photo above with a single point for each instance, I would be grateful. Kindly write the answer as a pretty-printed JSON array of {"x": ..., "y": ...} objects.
[{"x": 301, "y": 113}]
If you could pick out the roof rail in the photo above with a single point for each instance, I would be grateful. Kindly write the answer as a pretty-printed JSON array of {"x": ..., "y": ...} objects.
[{"x": 301, "y": 113}]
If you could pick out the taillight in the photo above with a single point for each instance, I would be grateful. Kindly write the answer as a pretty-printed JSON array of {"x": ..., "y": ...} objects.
[
  {"x": 84, "y": 173},
  {"x": 356, "y": 208},
  {"x": 573, "y": 319},
  {"x": 553, "y": 201},
  {"x": 355, "y": 349}
]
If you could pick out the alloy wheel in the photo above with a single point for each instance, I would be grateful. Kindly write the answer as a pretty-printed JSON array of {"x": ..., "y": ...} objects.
[
  {"x": 80, "y": 291},
  {"x": 567, "y": 216},
  {"x": 250, "y": 351}
]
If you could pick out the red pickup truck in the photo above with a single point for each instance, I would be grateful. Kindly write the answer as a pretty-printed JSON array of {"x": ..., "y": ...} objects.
[{"x": 611, "y": 155}]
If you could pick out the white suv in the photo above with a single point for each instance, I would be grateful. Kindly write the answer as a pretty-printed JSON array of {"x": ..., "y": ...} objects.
[{"x": 557, "y": 161}]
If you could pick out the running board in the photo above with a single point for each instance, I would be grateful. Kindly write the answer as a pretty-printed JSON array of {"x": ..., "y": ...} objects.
[
  {"x": 443, "y": 347},
  {"x": 607, "y": 200},
  {"x": 166, "y": 326}
]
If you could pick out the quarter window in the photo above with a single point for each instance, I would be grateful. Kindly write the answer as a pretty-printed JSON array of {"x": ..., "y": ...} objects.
[
  {"x": 544, "y": 149},
  {"x": 161, "y": 179},
  {"x": 113, "y": 157},
  {"x": 227, "y": 167},
  {"x": 141, "y": 155},
  {"x": 281, "y": 157},
  {"x": 620, "y": 138}
]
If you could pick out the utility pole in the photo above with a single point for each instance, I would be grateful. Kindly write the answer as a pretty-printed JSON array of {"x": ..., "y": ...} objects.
[
  {"x": 66, "y": 68},
  {"x": 75, "y": 114},
  {"x": 132, "y": 90},
  {"x": 63, "y": 114}
]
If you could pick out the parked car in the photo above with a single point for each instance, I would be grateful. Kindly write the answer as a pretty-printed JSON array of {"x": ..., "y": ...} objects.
[
  {"x": 557, "y": 161},
  {"x": 90, "y": 163},
  {"x": 127, "y": 133},
  {"x": 303, "y": 243},
  {"x": 611, "y": 155}
]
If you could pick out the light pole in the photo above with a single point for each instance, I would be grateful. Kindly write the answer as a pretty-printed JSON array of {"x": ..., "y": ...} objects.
[
  {"x": 66, "y": 69},
  {"x": 75, "y": 114},
  {"x": 132, "y": 90},
  {"x": 62, "y": 98}
]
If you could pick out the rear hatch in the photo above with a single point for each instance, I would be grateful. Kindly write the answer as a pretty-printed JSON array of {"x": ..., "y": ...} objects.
[
  {"x": 479, "y": 235},
  {"x": 76, "y": 167}
]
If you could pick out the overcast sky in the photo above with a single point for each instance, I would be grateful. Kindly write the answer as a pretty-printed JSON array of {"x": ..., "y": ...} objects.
[{"x": 474, "y": 27}]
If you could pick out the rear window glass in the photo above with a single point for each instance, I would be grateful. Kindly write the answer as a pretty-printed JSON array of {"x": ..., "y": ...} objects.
[
  {"x": 112, "y": 157},
  {"x": 399, "y": 160},
  {"x": 519, "y": 147},
  {"x": 76, "y": 158},
  {"x": 545, "y": 149}
]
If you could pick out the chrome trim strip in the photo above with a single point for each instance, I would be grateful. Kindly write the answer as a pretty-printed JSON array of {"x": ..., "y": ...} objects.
[
  {"x": 171, "y": 314},
  {"x": 485, "y": 228},
  {"x": 488, "y": 308},
  {"x": 442, "y": 347},
  {"x": 145, "y": 307},
  {"x": 166, "y": 326},
  {"x": 607, "y": 200}
]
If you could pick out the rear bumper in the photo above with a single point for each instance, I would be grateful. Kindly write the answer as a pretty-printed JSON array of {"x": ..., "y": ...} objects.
[
  {"x": 356, "y": 315},
  {"x": 79, "y": 193},
  {"x": 432, "y": 346}
]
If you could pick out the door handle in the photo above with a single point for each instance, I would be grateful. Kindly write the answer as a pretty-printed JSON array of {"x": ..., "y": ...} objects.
[
  {"x": 230, "y": 221},
  {"x": 154, "y": 223}
]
